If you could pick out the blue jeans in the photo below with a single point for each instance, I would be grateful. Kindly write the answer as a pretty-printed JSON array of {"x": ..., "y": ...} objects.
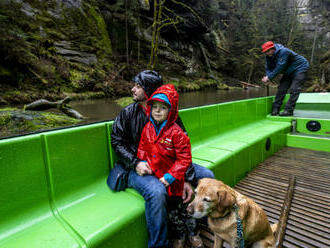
[{"x": 155, "y": 196}]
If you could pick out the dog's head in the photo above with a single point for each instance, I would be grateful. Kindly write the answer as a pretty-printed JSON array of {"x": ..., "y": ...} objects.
[{"x": 212, "y": 198}]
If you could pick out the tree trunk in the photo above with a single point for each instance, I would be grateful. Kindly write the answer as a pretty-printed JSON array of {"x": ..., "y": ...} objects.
[
  {"x": 126, "y": 31},
  {"x": 313, "y": 47}
]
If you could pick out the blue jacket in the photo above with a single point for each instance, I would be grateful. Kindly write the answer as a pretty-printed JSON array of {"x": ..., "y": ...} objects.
[{"x": 285, "y": 61}]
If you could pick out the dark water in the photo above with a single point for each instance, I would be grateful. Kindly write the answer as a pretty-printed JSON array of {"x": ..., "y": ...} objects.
[{"x": 106, "y": 109}]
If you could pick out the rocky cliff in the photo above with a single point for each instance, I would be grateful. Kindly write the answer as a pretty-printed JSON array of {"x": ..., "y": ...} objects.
[{"x": 59, "y": 47}]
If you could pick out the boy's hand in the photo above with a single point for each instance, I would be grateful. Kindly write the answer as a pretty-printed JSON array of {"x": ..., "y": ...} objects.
[
  {"x": 143, "y": 168},
  {"x": 163, "y": 181}
]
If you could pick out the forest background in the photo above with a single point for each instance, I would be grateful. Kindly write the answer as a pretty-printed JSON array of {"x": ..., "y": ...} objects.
[{"x": 93, "y": 48}]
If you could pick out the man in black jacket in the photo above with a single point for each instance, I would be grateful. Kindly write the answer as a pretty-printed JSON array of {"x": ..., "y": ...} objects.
[{"x": 125, "y": 137}]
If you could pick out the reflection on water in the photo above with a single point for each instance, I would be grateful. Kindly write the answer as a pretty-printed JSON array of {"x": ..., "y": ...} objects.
[{"x": 106, "y": 109}]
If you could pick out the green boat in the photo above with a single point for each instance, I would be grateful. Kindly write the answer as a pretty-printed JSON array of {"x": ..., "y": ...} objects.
[{"x": 53, "y": 191}]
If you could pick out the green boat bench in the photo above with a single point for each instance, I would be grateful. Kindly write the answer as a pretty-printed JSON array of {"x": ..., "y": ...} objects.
[
  {"x": 53, "y": 190},
  {"x": 232, "y": 138}
]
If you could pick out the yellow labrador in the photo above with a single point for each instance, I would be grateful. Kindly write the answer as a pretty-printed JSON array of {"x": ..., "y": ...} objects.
[{"x": 223, "y": 205}]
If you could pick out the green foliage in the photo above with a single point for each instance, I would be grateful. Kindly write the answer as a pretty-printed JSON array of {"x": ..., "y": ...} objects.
[
  {"x": 4, "y": 120},
  {"x": 104, "y": 43},
  {"x": 209, "y": 37},
  {"x": 250, "y": 23},
  {"x": 77, "y": 78},
  {"x": 124, "y": 101},
  {"x": 193, "y": 85}
]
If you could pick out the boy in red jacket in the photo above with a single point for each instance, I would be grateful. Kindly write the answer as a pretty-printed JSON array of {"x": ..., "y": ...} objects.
[{"x": 166, "y": 150}]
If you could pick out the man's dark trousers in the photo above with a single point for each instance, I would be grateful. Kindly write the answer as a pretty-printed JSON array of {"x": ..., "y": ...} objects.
[{"x": 295, "y": 81}]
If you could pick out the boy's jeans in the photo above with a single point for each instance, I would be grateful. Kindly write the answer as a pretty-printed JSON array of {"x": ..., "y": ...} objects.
[{"x": 155, "y": 196}]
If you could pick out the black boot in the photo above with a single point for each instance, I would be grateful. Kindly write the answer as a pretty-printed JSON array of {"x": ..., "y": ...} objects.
[
  {"x": 275, "y": 112},
  {"x": 286, "y": 113}
]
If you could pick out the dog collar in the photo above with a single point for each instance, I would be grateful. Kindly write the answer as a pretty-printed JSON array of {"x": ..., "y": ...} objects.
[{"x": 240, "y": 234}]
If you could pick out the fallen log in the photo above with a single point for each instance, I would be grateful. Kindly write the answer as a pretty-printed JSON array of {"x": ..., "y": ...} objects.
[
  {"x": 71, "y": 112},
  {"x": 43, "y": 104},
  {"x": 245, "y": 84}
]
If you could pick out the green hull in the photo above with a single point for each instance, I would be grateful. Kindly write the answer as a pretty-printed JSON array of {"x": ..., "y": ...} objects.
[{"x": 53, "y": 190}]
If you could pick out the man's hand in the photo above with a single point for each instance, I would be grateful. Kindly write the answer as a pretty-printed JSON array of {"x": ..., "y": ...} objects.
[
  {"x": 143, "y": 168},
  {"x": 163, "y": 181},
  {"x": 265, "y": 79},
  {"x": 187, "y": 192}
]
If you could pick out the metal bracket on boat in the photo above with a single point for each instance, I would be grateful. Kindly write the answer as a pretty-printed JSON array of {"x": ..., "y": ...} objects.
[{"x": 294, "y": 126}]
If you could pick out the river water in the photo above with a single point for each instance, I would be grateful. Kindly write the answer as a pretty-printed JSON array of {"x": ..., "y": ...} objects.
[{"x": 106, "y": 109}]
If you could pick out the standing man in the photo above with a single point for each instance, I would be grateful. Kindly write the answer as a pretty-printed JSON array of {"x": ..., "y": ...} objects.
[
  {"x": 125, "y": 137},
  {"x": 281, "y": 60}
]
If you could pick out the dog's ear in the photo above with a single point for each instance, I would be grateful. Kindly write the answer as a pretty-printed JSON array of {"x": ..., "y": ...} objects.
[{"x": 225, "y": 200}]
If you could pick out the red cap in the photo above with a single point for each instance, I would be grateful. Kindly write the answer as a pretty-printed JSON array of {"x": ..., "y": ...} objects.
[{"x": 266, "y": 46}]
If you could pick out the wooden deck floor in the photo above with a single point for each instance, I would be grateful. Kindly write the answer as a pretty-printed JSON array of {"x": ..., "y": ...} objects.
[{"x": 309, "y": 216}]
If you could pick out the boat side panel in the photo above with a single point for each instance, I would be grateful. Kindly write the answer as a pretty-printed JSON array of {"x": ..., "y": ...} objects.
[
  {"x": 312, "y": 143},
  {"x": 27, "y": 215},
  {"x": 324, "y": 127},
  {"x": 209, "y": 122},
  {"x": 192, "y": 123}
]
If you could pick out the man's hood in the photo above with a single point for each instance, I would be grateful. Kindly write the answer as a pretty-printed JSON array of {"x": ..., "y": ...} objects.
[
  {"x": 278, "y": 47},
  {"x": 149, "y": 81}
]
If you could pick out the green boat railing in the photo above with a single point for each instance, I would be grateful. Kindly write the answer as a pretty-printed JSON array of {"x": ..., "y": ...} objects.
[{"x": 53, "y": 190}]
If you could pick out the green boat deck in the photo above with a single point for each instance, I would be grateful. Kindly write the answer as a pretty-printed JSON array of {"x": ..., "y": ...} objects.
[
  {"x": 53, "y": 190},
  {"x": 313, "y": 106}
]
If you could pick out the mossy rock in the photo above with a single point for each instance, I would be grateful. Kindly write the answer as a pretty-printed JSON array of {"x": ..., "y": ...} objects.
[
  {"x": 206, "y": 83},
  {"x": 192, "y": 86},
  {"x": 222, "y": 86},
  {"x": 183, "y": 85},
  {"x": 15, "y": 121},
  {"x": 17, "y": 96},
  {"x": 34, "y": 32}
]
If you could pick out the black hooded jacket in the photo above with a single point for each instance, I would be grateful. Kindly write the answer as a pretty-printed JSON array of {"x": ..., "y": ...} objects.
[{"x": 128, "y": 125}]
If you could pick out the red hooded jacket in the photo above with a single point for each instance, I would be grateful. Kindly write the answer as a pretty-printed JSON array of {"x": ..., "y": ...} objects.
[{"x": 169, "y": 151}]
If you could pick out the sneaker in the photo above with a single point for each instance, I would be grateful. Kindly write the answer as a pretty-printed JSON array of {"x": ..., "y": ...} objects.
[
  {"x": 196, "y": 241},
  {"x": 178, "y": 243},
  {"x": 286, "y": 113}
]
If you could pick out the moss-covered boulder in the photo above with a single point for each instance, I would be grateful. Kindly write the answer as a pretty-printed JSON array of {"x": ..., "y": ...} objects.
[
  {"x": 14, "y": 121},
  {"x": 53, "y": 46}
]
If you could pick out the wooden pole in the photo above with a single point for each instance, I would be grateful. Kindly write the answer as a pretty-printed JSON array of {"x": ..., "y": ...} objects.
[
  {"x": 285, "y": 213},
  {"x": 267, "y": 90}
]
